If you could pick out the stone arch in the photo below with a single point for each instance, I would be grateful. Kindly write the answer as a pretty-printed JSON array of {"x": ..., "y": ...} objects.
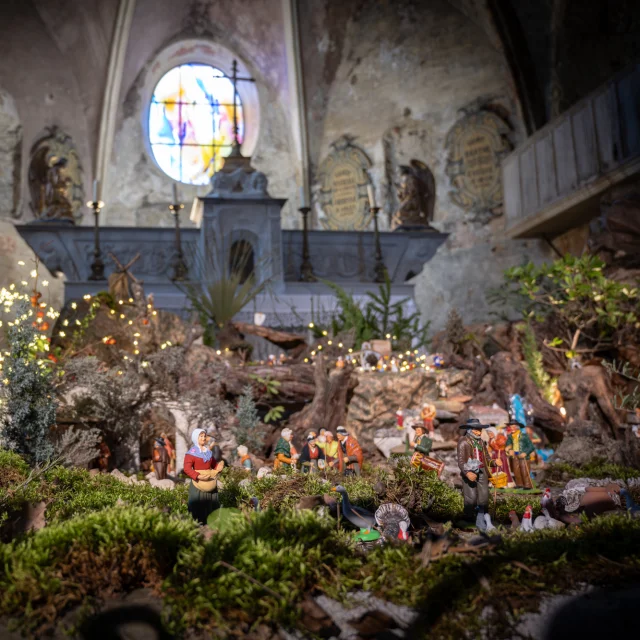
[{"x": 246, "y": 241}]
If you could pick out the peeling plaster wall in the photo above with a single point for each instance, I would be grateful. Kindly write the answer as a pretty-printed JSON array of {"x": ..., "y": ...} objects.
[
  {"x": 53, "y": 60},
  {"x": 394, "y": 76},
  {"x": 12, "y": 248},
  {"x": 138, "y": 192}
]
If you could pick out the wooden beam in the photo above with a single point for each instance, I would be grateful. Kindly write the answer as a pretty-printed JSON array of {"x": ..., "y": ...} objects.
[{"x": 575, "y": 209}]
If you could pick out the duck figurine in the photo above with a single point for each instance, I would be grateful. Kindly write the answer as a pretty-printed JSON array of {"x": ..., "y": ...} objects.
[
  {"x": 394, "y": 521},
  {"x": 357, "y": 516}
]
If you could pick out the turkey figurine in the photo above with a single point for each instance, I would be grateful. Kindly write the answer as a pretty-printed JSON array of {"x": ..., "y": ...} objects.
[{"x": 393, "y": 520}]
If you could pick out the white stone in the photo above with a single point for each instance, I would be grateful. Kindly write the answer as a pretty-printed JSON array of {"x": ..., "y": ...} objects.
[{"x": 161, "y": 484}]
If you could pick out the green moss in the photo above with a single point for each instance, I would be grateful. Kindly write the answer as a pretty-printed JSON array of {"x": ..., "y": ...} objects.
[
  {"x": 260, "y": 570},
  {"x": 69, "y": 562},
  {"x": 596, "y": 468},
  {"x": 12, "y": 465},
  {"x": 75, "y": 491}
]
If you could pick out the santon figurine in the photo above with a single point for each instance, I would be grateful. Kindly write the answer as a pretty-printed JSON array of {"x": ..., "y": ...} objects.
[
  {"x": 428, "y": 413},
  {"x": 311, "y": 455},
  {"x": 160, "y": 459},
  {"x": 201, "y": 467},
  {"x": 284, "y": 451},
  {"x": 473, "y": 461},
  {"x": 350, "y": 455},
  {"x": 245, "y": 458},
  {"x": 521, "y": 450}
]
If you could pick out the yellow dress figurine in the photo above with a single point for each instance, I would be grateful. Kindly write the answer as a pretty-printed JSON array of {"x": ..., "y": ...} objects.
[{"x": 329, "y": 445}]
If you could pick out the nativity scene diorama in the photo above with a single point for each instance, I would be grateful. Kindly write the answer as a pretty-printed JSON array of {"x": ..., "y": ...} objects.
[{"x": 292, "y": 407}]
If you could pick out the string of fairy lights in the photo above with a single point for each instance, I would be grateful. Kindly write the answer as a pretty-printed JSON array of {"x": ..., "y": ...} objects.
[
  {"x": 40, "y": 311},
  {"x": 398, "y": 361},
  {"x": 37, "y": 314}
]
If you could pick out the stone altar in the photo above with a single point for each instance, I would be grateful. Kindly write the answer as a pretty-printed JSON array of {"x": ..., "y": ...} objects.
[{"x": 239, "y": 208}]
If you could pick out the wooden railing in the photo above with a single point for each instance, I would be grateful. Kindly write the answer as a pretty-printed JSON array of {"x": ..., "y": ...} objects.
[{"x": 553, "y": 181}]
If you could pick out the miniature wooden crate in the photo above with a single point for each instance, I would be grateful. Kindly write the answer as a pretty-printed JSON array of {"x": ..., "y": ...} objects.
[{"x": 420, "y": 461}]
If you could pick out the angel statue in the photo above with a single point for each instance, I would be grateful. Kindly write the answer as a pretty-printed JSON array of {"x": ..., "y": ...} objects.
[{"x": 416, "y": 193}]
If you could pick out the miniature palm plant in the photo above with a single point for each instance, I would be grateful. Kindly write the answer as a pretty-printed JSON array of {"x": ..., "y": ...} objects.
[{"x": 229, "y": 284}]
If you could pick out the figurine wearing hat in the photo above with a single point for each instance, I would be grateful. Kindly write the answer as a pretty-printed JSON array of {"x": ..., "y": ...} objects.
[
  {"x": 421, "y": 441},
  {"x": 160, "y": 459},
  {"x": 349, "y": 453},
  {"x": 521, "y": 450},
  {"x": 474, "y": 460},
  {"x": 311, "y": 454}
]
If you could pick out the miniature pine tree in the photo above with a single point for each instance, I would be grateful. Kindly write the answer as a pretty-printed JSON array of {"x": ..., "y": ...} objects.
[
  {"x": 248, "y": 431},
  {"x": 29, "y": 408},
  {"x": 455, "y": 330}
]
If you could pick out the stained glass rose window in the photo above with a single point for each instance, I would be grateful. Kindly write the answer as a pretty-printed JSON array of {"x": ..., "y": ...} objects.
[{"x": 191, "y": 122}]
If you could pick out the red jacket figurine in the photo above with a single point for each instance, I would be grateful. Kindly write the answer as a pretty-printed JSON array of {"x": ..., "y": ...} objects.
[{"x": 350, "y": 456}]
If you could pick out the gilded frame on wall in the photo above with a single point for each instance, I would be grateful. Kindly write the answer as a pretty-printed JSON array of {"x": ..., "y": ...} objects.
[
  {"x": 477, "y": 144},
  {"x": 343, "y": 193}
]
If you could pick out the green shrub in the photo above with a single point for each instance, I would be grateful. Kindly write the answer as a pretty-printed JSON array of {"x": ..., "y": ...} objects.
[
  {"x": 584, "y": 306},
  {"x": 29, "y": 410}
]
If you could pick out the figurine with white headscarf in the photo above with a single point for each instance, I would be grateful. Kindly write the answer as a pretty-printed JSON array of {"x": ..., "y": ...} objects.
[{"x": 200, "y": 465}]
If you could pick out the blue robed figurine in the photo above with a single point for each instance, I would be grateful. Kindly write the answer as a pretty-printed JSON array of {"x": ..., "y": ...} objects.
[{"x": 518, "y": 414}]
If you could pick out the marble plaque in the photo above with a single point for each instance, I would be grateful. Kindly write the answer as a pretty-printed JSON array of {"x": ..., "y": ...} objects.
[
  {"x": 343, "y": 194},
  {"x": 477, "y": 145}
]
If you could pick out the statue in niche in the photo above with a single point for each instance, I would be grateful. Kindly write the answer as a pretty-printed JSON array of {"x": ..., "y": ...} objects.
[
  {"x": 55, "y": 178},
  {"x": 416, "y": 193}
]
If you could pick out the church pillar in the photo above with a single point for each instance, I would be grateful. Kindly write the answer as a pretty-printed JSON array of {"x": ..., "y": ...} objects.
[{"x": 111, "y": 98}]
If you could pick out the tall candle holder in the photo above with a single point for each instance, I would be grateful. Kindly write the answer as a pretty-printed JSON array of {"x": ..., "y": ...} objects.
[
  {"x": 97, "y": 266},
  {"x": 380, "y": 270},
  {"x": 306, "y": 270},
  {"x": 180, "y": 269}
]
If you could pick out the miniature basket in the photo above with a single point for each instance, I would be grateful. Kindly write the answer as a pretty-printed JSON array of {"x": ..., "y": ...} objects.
[{"x": 499, "y": 480}]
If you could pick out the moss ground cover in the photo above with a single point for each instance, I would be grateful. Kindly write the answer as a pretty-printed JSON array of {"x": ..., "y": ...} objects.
[
  {"x": 597, "y": 469},
  {"x": 260, "y": 571}
]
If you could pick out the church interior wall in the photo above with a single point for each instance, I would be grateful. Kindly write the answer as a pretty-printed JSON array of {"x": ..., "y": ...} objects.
[
  {"x": 137, "y": 189},
  {"x": 396, "y": 76}
]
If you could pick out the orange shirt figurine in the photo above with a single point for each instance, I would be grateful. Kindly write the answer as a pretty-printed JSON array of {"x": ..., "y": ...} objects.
[{"x": 427, "y": 414}]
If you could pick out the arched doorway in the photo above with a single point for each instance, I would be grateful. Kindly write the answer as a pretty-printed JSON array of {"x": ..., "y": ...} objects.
[{"x": 242, "y": 260}]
